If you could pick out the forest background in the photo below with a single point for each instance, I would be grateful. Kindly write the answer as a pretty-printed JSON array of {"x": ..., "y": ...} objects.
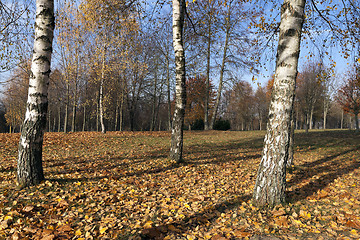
[{"x": 134, "y": 55}]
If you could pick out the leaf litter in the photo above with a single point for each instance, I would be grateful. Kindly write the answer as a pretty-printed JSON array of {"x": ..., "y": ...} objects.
[{"x": 122, "y": 185}]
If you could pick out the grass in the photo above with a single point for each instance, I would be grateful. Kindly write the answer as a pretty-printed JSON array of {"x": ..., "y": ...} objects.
[{"x": 123, "y": 186}]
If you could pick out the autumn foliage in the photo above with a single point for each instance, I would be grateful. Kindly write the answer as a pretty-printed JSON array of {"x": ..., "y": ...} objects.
[
  {"x": 195, "y": 99},
  {"x": 349, "y": 95}
]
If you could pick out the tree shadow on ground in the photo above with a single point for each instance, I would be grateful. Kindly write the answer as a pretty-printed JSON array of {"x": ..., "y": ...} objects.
[
  {"x": 118, "y": 167},
  {"x": 329, "y": 168},
  {"x": 189, "y": 223}
]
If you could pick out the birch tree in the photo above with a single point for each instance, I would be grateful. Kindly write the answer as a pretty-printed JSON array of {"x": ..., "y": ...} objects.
[
  {"x": 222, "y": 68},
  {"x": 29, "y": 168},
  {"x": 271, "y": 177},
  {"x": 176, "y": 150}
]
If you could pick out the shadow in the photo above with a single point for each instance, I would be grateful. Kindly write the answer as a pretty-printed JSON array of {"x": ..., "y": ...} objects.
[
  {"x": 117, "y": 167},
  {"x": 330, "y": 167},
  {"x": 8, "y": 169},
  {"x": 189, "y": 223}
]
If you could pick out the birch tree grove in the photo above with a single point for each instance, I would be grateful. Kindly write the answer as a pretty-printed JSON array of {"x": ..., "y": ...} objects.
[
  {"x": 180, "y": 101},
  {"x": 29, "y": 169},
  {"x": 271, "y": 178}
]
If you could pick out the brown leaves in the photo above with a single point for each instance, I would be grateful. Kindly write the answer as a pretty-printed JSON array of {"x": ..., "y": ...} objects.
[
  {"x": 353, "y": 224},
  {"x": 121, "y": 185}
]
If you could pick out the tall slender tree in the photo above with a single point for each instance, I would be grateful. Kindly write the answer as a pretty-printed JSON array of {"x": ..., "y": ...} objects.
[
  {"x": 179, "y": 8},
  {"x": 29, "y": 169},
  {"x": 271, "y": 178}
]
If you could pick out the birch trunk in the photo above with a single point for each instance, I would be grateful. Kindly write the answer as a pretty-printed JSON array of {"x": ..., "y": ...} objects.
[
  {"x": 179, "y": 113},
  {"x": 29, "y": 167},
  {"x": 222, "y": 69},
  {"x": 207, "y": 90},
  {"x": 101, "y": 92},
  {"x": 97, "y": 116},
  {"x": 271, "y": 178},
  {"x": 54, "y": 124},
  {"x": 66, "y": 108},
  {"x": 168, "y": 91},
  {"x": 326, "y": 108},
  {"x": 59, "y": 119},
  {"x": 153, "y": 110},
  {"x": 73, "y": 128},
  {"x": 311, "y": 117},
  {"x": 121, "y": 110},
  {"x": 307, "y": 123}
]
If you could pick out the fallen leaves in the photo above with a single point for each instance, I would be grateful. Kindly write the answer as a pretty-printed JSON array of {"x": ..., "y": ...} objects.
[{"x": 121, "y": 185}]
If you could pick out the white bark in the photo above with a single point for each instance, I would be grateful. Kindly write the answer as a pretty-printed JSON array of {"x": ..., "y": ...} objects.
[
  {"x": 29, "y": 169},
  {"x": 101, "y": 92},
  {"x": 207, "y": 90},
  {"x": 271, "y": 178},
  {"x": 179, "y": 113}
]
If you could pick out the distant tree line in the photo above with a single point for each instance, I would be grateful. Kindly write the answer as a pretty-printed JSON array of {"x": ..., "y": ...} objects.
[{"x": 319, "y": 102}]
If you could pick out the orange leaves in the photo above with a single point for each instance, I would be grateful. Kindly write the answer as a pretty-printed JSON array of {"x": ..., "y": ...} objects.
[{"x": 122, "y": 185}]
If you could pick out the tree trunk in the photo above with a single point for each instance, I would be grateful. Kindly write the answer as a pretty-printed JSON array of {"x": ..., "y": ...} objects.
[
  {"x": 73, "y": 116},
  {"x": 271, "y": 178},
  {"x": 356, "y": 122},
  {"x": 168, "y": 91},
  {"x": 350, "y": 122},
  {"x": 180, "y": 95},
  {"x": 29, "y": 167},
  {"x": 307, "y": 122},
  {"x": 97, "y": 116},
  {"x": 132, "y": 118},
  {"x": 153, "y": 110},
  {"x": 311, "y": 117},
  {"x": 207, "y": 84},
  {"x": 116, "y": 115},
  {"x": 66, "y": 107},
  {"x": 342, "y": 119},
  {"x": 101, "y": 90},
  {"x": 121, "y": 110},
  {"x": 49, "y": 121},
  {"x": 326, "y": 107},
  {"x": 59, "y": 119},
  {"x": 84, "y": 120},
  {"x": 54, "y": 124},
  {"x": 222, "y": 69}
]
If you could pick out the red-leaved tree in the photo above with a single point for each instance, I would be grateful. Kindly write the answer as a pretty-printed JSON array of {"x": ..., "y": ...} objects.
[{"x": 349, "y": 95}]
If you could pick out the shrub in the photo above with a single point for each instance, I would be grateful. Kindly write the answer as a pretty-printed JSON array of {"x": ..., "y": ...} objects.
[{"x": 222, "y": 125}]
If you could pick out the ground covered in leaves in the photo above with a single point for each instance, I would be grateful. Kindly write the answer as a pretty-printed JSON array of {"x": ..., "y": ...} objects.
[{"x": 123, "y": 186}]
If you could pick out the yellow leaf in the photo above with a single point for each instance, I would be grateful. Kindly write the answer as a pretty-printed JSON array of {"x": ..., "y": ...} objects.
[
  {"x": 190, "y": 237},
  {"x": 103, "y": 230},
  {"x": 148, "y": 224},
  {"x": 78, "y": 232}
]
